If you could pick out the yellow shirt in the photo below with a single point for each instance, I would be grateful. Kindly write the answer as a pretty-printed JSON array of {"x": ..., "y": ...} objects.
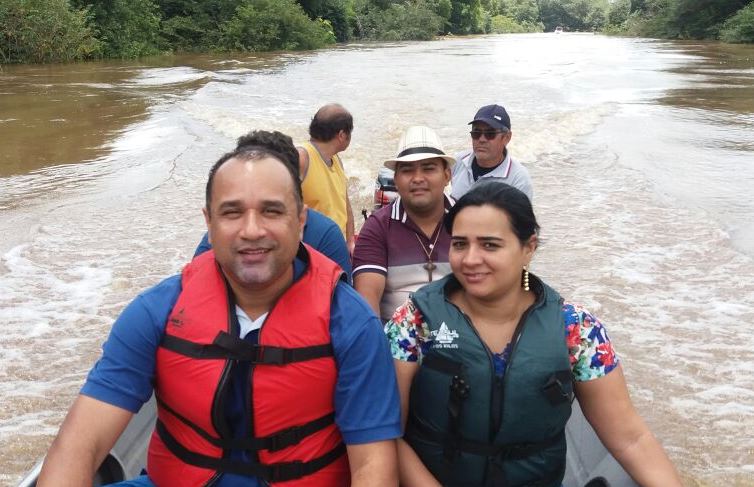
[{"x": 325, "y": 187}]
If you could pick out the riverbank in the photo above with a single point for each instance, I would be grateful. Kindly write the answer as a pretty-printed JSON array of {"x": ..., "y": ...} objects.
[
  {"x": 40, "y": 31},
  {"x": 640, "y": 151}
]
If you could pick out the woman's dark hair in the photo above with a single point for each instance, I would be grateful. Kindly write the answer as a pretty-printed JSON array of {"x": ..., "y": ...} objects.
[{"x": 504, "y": 197}]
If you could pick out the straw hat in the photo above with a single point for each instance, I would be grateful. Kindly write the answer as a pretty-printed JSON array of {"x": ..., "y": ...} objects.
[{"x": 419, "y": 143}]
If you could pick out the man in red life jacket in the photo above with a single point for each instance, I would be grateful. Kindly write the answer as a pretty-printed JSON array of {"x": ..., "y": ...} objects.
[{"x": 268, "y": 369}]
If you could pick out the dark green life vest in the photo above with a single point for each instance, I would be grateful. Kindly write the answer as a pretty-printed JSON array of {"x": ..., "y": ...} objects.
[{"x": 472, "y": 428}]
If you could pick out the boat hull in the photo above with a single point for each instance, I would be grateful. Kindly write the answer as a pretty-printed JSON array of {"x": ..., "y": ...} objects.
[{"x": 587, "y": 458}]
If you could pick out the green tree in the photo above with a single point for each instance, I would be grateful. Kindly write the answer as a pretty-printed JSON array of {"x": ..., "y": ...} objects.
[
  {"x": 41, "y": 31},
  {"x": 127, "y": 28},
  {"x": 214, "y": 10},
  {"x": 552, "y": 14},
  {"x": 618, "y": 12},
  {"x": 266, "y": 25},
  {"x": 467, "y": 17},
  {"x": 522, "y": 10},
  {"x": 195, "y": 25},
  {"x": 596, "y": 16},
  {"x": 400, "y": 20},
  {"x": 638, "y": 6},
  {"x": 500, "y": 24},
  {"x": 573, "y": 14},
  {"x": 491, "y": 7},
  {"x": 443, "y": 8},
  {"x": 739, "y": 27},
  {"x": 685, "y": 19},
  {"x": 701, "y": 18},
  {"x": 340, "y": 13}
]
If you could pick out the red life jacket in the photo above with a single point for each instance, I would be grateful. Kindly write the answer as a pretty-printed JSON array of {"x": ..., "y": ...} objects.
[{"x": 292, "y": 384}]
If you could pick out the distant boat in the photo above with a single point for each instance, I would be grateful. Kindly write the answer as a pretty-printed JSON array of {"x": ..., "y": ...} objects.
[{"x": 558, "y": 30}]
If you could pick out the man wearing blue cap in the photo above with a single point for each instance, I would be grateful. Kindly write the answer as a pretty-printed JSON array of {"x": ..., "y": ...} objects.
[{"x": 489, "y": 157}]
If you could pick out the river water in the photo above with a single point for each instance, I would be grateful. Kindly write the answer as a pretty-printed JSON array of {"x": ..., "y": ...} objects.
[{"x": 641, "y": 153}]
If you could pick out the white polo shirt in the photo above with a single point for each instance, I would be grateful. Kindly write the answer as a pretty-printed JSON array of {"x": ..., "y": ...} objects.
[{"x": 509, "y": 172}]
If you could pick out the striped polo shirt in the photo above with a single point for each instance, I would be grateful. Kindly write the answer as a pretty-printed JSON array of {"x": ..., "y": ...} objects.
[{"x": 391, "y": 244}]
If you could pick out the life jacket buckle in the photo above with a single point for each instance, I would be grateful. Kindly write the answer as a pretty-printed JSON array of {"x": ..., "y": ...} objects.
[
  {"x": 450, "y": 452},
  {"x": 555, "y": 391},
  {"x": 459, "y": 387},
  {"x": 285, "y": 438},
  {"x": 287, "y": 471},
  {"x": 273, "y": 355},
  {"x": 459, "y": 391}
]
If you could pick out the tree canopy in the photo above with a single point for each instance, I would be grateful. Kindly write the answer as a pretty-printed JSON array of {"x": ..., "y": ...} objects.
[
  {"x": 64, "y": 30},
  {"x": 691, "y": 19}
]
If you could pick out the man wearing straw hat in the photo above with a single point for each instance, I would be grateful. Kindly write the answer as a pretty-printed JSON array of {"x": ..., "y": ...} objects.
[
  {"x": 404, "y": 245},
  {"x": 489, "y": 157}
]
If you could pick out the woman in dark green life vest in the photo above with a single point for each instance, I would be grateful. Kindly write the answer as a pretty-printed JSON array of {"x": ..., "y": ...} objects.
[{"x": 488, "y": 360}]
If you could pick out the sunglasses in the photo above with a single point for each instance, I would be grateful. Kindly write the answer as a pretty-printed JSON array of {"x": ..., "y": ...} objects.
[{"x": 488, "y": 134}]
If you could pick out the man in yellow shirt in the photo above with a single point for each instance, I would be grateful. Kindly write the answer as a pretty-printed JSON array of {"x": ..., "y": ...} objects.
[{"x": 325, "y": 185}]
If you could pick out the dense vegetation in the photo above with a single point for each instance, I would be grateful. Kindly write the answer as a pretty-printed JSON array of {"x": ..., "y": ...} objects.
[
  {"x": 728, "y": 20},
  {"x": 64, "y": 30}
]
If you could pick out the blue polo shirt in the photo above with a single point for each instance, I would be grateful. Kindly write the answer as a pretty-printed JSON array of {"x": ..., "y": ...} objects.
[
  {"x": 367, "y": 407},
  {"x": 321, "y": 233}
]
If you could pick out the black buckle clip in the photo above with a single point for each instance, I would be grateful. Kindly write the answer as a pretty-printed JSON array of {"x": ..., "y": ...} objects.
[
  {"x": 459, "y": 387},
  {"x": 512, "y": 452},
  {"x": 554, "y": 391},
  {"x": 284, "y": 439},
  {"x": 273, "y": 355},
  {"x": 287, "y": 471},
  {"x": 450, "y": 452}
]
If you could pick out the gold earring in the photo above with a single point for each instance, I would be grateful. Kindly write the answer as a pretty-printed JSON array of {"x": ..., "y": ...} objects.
[{"x": 526, "y": 278}]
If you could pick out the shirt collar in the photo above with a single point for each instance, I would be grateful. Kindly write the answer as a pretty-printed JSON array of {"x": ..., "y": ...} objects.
[
  {"x": 505, "y": 165},
  {"x": 398, "y": 212}
]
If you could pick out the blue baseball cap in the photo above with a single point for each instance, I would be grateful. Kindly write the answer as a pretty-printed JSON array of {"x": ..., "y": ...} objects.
[{"x": 493, "y": 115}]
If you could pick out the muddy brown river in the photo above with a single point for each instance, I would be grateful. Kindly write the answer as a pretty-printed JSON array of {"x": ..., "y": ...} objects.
[{"x": 641, "y": 153}]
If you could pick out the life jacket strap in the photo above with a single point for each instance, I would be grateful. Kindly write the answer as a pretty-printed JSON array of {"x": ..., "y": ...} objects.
[
  {"x": 496, "y": 477},
  {"x": 274, "y": 442},
  {"x": 459, "y": 391},
  {"x": 229, "y": 347},
  {"x": 559, "y": 387},
  {"x": 442, "y": 364},
  {"x": 274, "y": 472},
  {"x": 551, "y": 479},
  {"x": 512, "y": 451}
]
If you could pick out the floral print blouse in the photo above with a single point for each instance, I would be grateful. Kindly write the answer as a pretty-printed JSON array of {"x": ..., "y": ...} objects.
[{"x": 589, "y": 348}]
